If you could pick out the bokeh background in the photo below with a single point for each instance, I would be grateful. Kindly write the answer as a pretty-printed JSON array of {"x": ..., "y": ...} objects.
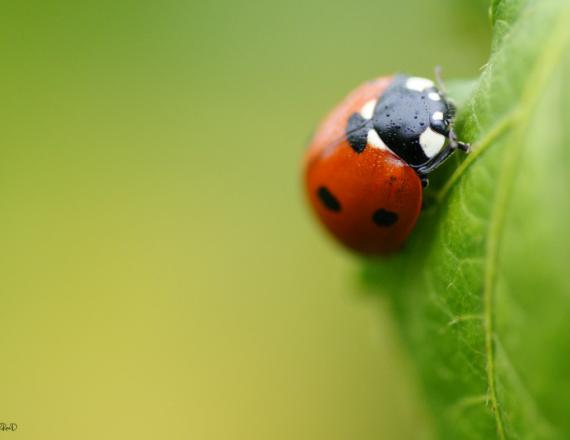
[{"x": 160, "y": 276}]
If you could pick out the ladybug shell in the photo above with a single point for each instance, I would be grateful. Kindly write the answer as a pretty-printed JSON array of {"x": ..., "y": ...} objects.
[{"x": 370, "y": 201}]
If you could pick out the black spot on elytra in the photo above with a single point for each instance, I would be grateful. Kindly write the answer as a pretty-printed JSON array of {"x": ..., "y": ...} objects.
[
  {"x": 328, "y": 199},
  {"x": 384, "y": 218}
]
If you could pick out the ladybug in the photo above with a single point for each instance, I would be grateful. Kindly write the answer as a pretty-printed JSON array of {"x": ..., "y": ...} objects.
[{"x": 368, "y": 162}]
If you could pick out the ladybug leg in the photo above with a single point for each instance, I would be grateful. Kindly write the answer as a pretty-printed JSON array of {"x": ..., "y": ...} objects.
[
  {"x": 425, "y": 181},
  {"x": 458, "y": 145},
  {"x": 437, "y": 161},
  {"x": 454, "y": 144},
  {"x": 466, "y": 148}
]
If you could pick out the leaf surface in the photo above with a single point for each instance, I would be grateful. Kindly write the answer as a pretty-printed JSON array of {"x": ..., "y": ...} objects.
[{"x": 482, "y": 291}]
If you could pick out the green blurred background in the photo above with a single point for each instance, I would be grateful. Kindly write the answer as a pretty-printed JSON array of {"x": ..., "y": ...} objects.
[{"x": 160, "y": 275}]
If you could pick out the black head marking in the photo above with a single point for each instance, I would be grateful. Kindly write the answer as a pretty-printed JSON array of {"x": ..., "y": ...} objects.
[
  {"x": 328, "y": 199},
  {"x": 384, "y": 218}
]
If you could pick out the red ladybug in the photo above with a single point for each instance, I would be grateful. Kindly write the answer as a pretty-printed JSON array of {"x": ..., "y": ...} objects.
[{"x": 369, "y": 160}]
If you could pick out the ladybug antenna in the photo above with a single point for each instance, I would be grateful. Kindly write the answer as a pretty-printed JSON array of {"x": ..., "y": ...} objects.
[{"x": 438, "y": 79}]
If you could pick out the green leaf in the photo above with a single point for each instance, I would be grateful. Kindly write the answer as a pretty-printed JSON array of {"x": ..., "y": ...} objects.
[{"x": 482, "y": 291}]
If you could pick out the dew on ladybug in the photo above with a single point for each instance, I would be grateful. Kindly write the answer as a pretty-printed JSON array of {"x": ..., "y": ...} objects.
[{"x": 368, "y": 161}]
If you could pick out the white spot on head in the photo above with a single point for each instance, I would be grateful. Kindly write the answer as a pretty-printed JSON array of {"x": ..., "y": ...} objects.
[
  {"x": 437, "y": 116},
  {"x": 418, "y": 84},
  {"x": 373, "y": 139},
  {"x": 434, "y": 96},
  {"x": 367, "y": 110},
  {"x": 431, "y": 142}
]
